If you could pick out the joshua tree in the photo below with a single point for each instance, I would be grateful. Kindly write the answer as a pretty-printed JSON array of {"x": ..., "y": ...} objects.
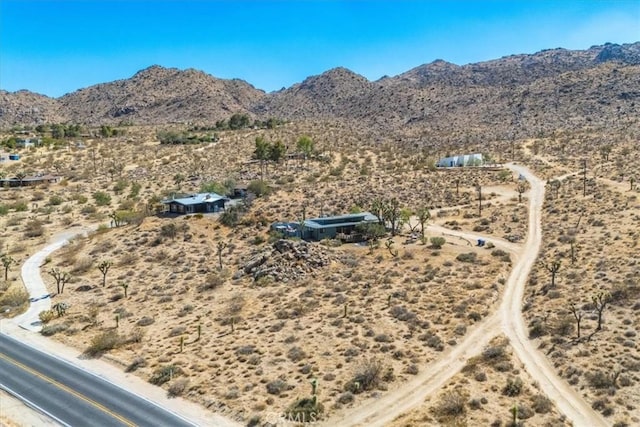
[
  {"x": 221, "y": 246},
  {"x": 6, "y": 262},
  {"x": 20, "y": 176},
  {"x": 631, "y": 182},
  {"x": 60, "y": 308},
  {"x": 104, "y": 267},
  {"x": 181, "y": 344},
  {"x": 605, "y": 150},
  {"x": 600, "y": 301},
  {"x": 373, "y": 245},
  {"x": 521, "y": 188},
  {"x": 305, "y": 145},
  {"x": 577, "y": 314},
  {"x": 389, "y": 245},
  {"x": 423, "y": 216},
  {"x": 199, "y": 331},
  {"x": 262, "y": 153},
  {"x": 553, "y": 268},
  {"x": 125, "y": 286},
  {"x": 584, "y": 178},
  {"x": 117, "y": 320},
  {"x": 60, "y": 277},
  {"x": 314, "y": 386},
  {"x": 116, "y": 219},
  {"x": 391, "y": 212},
  {"x": 555, "y": 187},
  {"x": 573, "y": 251}
]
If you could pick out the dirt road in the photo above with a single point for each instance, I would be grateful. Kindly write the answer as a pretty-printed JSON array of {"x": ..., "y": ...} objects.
[{"x": 508, "y": 320}]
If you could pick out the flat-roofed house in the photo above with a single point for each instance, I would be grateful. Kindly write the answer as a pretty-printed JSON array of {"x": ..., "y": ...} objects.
[{"x": 196, "y": 203}]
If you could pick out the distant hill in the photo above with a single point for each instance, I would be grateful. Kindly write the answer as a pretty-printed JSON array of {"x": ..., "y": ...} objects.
[
  {"x": 24, "y": 107},
  {"x": 160, "y": 95},
  {"x": 554, "y": 89}
]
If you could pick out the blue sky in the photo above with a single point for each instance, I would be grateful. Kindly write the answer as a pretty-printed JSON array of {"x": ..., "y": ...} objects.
[{"x": 57, "y": 46}]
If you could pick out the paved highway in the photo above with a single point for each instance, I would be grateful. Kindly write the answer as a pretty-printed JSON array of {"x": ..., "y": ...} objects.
[{"x": 74, "y": 396}]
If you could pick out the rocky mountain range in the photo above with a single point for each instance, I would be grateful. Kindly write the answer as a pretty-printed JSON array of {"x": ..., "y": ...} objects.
[{"x": 550, "y": 90}]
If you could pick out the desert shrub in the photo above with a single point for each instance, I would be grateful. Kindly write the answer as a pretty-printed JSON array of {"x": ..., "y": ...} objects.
[
  {"x": 437, "y": 242},
  {"x": 20, "y": 206},
  {"x": 296, "y": 354},
  {"x": 212, "y": 281},
  {"x": 367, "y": 376},
  {"x": 33, "y": 228},
  {"x": 49, "y": 330},
  {"x": 102, "y": 198},
  {"x": 258, "y": 240},
  {"x": 513, "y": 387},
  {"x": 346, "y": 397},
  {"x": 383, "y": 338},
  {"x": 104, "y": 342},
  {"x": 55, "y": 200},
  {"x": 138, "y": 362},
  {"x": 469, "y": 257},
  {"x": 82, "y": 265},
  {"x": 276, "y": 387},
  {"x": 46, "y": 316},
  {"x": 480, "y": 376},
  {"x": 451, "y": 404},
  {"x": 493, "y": 353},
  {"x": 599, "y": 379},
  {"x": 541, "y": 404},
  {"x": 145, "y": 321},
  {"x": 178, "y": 330},
  {"x": 432, "y": 340},
  {"x": 245, "y": 350},
  {"x": 120, "y": 185},
  {"x": 259, "y": 188},
  {"x": 401, "y": 313},
  {"x": 412, "y": 369},
  {"x": 4, "y": 209},
  {"x": 498, "y": 253},
  {"x": 162, "y": 374},
  {"x": 178, "y": 387},
  {"x": 14, "y": 297},
  {"x": 231, "y": 216},
  {"x": 305, "y": 410},
  {"x": 537, "y": 328},
  {"x": 88, "y": 210},
  {"x": 169, "y": 230}
]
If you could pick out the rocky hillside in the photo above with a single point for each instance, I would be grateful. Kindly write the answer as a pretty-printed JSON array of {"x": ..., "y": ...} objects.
[
  {"x": 554, "y": 89},
  {"x": 550, "y": 90},
  {"x": 24, "y": 107},
  {"x": 161, "y": 95}
]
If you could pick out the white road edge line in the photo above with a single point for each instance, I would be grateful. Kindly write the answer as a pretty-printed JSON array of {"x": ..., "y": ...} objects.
[{"x": 33, "y": 405}]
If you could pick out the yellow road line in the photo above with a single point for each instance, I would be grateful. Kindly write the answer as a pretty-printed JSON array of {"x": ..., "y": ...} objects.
[{"x": 68, "y": 390}]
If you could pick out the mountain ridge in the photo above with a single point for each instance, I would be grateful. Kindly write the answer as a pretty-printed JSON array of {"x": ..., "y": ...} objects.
[{"x": 435, "y": 94}]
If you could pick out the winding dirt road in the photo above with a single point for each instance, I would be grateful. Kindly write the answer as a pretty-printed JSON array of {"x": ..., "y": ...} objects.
[{"x": 508, "y": 320}]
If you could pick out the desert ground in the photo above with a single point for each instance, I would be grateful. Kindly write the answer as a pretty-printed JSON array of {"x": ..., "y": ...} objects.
[{"x": 181, "y": 306}]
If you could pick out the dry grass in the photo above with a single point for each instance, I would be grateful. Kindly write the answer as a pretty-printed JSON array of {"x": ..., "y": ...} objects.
[{"x": 401, "y": 310}]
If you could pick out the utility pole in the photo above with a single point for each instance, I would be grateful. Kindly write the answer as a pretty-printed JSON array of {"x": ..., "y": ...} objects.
[{"x": 479, "y": 200}]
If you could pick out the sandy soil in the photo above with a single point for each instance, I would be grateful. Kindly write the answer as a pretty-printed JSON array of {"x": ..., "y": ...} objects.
[{"x": 408, "y": 311}]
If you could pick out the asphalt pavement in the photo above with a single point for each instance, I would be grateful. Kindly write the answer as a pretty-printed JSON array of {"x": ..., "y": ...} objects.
[{"x": 73, "y": 396}]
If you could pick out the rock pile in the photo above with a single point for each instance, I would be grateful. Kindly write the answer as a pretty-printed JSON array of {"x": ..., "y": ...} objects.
[{"x": 286, "y": 260}]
